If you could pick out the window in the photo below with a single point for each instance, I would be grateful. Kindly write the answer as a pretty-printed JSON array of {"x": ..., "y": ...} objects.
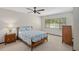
[{"x": 55, "y": 22}]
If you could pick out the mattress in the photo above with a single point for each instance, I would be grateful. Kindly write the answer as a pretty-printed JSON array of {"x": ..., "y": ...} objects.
[{"x": 32, "y": 35}]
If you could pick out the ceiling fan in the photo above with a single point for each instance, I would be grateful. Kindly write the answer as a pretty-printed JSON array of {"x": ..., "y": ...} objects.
[{"x": 35, "y": 10}]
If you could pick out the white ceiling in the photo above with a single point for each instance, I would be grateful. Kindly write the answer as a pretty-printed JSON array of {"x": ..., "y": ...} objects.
[{"x": 48, "y": 10}]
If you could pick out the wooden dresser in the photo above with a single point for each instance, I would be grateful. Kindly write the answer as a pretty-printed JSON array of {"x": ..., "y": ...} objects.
[
  {"x": 67, "y": 35},
  {"x": 10, "y": 38}
]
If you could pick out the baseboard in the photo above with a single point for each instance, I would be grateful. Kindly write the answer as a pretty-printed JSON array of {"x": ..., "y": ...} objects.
[
  {"x": 55, "y": 35},
  {"x": 2, "y": 42}
]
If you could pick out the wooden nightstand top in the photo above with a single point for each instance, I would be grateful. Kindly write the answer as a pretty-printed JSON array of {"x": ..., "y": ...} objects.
[{"x": 10, "y": 33}]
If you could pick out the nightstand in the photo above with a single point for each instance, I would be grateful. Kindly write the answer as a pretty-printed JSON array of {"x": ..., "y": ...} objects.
[{"x": 10, "y": 38}]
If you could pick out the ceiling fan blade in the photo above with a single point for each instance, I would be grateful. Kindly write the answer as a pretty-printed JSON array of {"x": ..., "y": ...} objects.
[
  {"x": 29, "y": 9},
  {"x": 41, "y": 10},
  {"x": 38, "y": 12}
]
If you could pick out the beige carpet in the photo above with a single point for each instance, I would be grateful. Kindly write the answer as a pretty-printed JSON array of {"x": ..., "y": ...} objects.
[{"x": 54, "y": 44}]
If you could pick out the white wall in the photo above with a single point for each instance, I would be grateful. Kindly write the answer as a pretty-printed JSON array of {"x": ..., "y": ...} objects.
[
  {"x": 76, "y": 28},
  {"x": 15, "y": 19},
  {"x": 69, "y": 21}
]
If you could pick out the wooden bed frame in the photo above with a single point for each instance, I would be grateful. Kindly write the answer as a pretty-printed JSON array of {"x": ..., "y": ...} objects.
[{"x": 33, "y": 44}]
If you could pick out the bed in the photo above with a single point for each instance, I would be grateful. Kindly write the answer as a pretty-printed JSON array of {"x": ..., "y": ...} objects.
[{"x": 31, "y": 37}]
